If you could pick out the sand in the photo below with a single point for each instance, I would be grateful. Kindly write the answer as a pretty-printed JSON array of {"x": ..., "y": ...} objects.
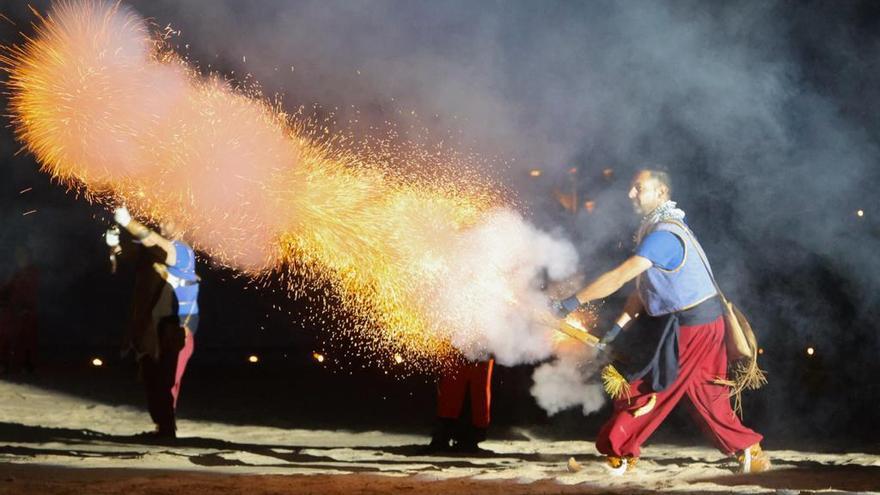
[{"x": 55, "y": 443}]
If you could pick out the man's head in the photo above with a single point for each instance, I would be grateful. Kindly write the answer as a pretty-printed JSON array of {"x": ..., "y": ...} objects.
[{"x": 650, "y": 189}]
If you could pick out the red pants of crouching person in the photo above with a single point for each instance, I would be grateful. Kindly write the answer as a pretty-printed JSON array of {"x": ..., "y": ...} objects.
[
  {"x": 162, "y": 377},
  {"x": 702, "y": 357},
  {"x": 475, "y": 378}
]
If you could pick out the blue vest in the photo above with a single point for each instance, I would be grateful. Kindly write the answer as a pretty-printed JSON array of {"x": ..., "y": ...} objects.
[
  {"x": 184, "y": 280},
  {"x": 670, "y": 291}
]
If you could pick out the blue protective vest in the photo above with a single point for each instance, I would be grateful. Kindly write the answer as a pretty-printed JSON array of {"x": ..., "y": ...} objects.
[
  {"x": 183, "y": 279},
  {"x": 670, "y": 291}
]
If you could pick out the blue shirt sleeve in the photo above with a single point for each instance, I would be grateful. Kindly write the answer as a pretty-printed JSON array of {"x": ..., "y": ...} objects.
[{"x": 664, "y": 249}]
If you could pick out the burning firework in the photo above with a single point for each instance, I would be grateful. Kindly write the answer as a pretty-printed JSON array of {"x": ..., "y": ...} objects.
[{"x": 110, "y": 111}]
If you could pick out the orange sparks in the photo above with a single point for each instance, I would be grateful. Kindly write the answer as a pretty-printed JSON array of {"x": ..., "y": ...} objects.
[{"x": 108, "y": 109}]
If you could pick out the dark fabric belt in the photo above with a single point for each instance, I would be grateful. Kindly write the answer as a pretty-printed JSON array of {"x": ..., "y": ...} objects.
[
  {"x": 705, "y": 312},
  {"x": 188, "y": 283}
]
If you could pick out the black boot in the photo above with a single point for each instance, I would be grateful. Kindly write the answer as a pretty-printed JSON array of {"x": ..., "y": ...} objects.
[
  {"x": 468, "y": 441},
  {"x": 441, "y": 437}
]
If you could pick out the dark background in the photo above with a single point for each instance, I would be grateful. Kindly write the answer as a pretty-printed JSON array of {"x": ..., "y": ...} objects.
[{"x": 765, "y": 114}]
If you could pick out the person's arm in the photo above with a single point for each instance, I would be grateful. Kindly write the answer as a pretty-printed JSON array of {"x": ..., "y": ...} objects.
[
  {"x": 610, "y": 282},
  {"x": 607, "y": 284},
  {"x": 631, "y": 310},
  {"x": 147, "y": 237}
]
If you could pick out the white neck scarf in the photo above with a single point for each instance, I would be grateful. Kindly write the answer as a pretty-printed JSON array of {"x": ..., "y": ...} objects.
[{"x": 666, "y": 211}]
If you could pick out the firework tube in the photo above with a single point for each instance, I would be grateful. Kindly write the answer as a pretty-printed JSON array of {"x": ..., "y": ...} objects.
[{"x": 572, "y": 331}]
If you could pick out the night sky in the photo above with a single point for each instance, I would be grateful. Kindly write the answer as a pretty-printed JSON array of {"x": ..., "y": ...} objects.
[{"x": 765, "y": 113}]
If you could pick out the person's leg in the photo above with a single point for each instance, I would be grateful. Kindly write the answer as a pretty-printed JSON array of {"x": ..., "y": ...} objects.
[
  {"x": 711, "y": 401},
  {"x": 634, "y": 420},
  {"x": 479, "y": 396},
  {"x": 451, "y": 391},
  {"x": 29, "y": 342},
  {"x": 182, "y": 360},
  {"x": 171, "y": 341},
  {"x": 149, "y": 371}
]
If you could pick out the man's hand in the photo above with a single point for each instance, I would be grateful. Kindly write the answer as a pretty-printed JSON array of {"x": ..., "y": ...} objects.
[
  {"x": 610, "y": 335},
  {"x": 122, "y": 216},
  {"x": 565, "y": 307},
  {"x": 111, "y": 237}
]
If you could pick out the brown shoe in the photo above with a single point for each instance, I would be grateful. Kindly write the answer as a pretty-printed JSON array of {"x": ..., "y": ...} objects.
[
  {"x": 754, "y": 460},
  {"x": 618, "y": 466}
]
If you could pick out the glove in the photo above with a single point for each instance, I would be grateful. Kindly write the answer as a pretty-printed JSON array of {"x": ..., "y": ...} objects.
[
  {"x": 111, "y": 237},
  {"x": 122, "y": 216},
  {"x": 610, "y": 335},
  {"x": 565, "y": 307}
]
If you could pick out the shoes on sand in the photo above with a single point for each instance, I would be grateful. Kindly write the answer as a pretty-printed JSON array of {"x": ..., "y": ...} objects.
[{"x": 753, "y": 460}]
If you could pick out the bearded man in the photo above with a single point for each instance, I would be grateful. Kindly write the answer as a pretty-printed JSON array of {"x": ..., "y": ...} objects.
[{"x": 682, "y": 320}]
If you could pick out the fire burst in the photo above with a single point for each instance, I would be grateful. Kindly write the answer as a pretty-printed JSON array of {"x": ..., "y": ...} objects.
[{"x": 110, "y": 111}]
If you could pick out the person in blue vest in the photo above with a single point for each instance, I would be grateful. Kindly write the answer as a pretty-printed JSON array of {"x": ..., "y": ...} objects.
[
  {"x": 165, "y": 314},
  {"x": 681, "y": 332}
]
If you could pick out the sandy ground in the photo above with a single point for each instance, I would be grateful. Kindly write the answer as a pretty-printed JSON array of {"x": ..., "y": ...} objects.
[{"x": 54, "y": 443}]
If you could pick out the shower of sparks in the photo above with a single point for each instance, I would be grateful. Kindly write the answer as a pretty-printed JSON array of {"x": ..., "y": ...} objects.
[
  {"x": 110, "y": 111},
  {"x": 585, "y": 319}
]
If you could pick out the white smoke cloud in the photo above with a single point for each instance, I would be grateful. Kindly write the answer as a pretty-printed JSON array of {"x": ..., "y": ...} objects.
[
  {"x": 489, "y": 299},
  {"x": 569, "y": 381}
]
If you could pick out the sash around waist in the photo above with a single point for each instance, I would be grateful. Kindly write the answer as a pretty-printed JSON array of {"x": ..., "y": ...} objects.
[{"x": 705, "y": 312}]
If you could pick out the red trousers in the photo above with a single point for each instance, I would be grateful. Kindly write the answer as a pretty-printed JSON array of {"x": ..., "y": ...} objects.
[
  {"x": 476, "y": 378},
  {"x": 162, "y": 377},
  {"x": 702, "y": 358}
]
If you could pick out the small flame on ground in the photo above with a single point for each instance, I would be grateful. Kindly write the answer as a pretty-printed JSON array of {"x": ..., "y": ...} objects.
[{"x": 318, "y": 357}]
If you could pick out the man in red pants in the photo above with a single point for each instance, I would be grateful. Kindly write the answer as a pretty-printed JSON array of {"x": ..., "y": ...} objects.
[
  {"x": 165, "y": 315},
  {"x": 465, "y": 379},
  {"x": 684, "y": 327}
]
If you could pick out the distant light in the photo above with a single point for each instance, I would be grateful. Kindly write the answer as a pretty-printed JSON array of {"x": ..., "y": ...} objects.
[
  {"x": 860, "y": 213},
  {"x": 535, "y": 172},
  {"x": 97, "y": 362},
  {"x": 398, "y": 358},
  {"x": 760, "y": 350},
  {"x": 810, "y": 351},
  {"x": 590, "y": 206},
  {"x": 608, "y": 173},
  {"x": 318, "y": 357},
  {"x": 573, "y": 170},
  {"x": 254, "y": 359}
]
